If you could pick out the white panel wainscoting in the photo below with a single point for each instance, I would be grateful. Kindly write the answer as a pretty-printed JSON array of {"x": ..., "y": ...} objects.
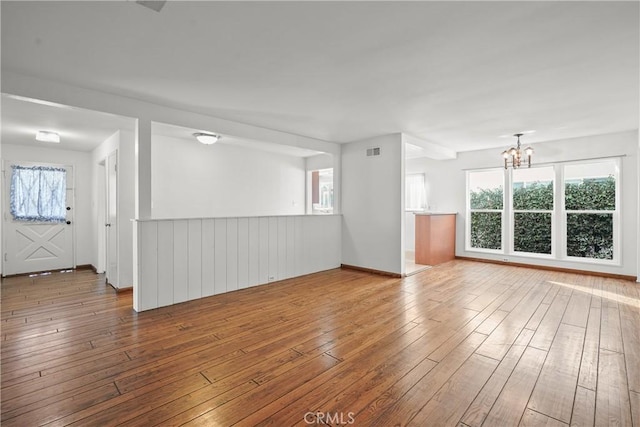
[{"x": 185, "y": 259}]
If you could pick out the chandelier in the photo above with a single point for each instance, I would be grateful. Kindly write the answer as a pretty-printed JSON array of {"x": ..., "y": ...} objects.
[{"x": 514, "y": 156}]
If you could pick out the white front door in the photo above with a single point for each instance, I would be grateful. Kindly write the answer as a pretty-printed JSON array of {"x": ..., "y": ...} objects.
[
  {"x": 111, "y": 216},
  {"x": 38, "y": 218}
]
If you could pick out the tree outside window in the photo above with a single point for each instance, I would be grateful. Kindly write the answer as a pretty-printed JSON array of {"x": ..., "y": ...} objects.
[
  {"x": 582, "y": 227},
  {"x": 532, "y": 193},
  {"x": 590, "y": 206},
  {"x": 486, "y": 205}
]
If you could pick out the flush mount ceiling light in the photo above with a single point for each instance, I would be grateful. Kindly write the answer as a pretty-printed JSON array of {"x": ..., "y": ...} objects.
[
  {"x": 206, "y": 138},
  {"x": 47, "y": 136},
  {"x": 513, "y": 156}
]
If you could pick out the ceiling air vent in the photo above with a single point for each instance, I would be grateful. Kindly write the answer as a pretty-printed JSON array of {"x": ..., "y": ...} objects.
[{"x": 373, "y": 151}]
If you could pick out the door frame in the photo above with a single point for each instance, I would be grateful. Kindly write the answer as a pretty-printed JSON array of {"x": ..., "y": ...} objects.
[
  {"x": 6, "y": 206},
  {"x": 113, "y": 228}
]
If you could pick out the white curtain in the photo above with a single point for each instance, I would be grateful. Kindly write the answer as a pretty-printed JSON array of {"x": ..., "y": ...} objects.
[
  {"x": 415, "y": 194},
  {"x": 38, "y": 193}
]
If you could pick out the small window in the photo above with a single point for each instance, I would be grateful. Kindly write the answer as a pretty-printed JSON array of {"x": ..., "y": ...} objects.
[
  {"x": 415, "y": 193},
  {"x": 322, "y": 191},
  {"x": 38, "y": 193}
]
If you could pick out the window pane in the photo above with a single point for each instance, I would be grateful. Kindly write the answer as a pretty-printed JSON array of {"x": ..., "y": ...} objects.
[
  {"x": 486, "y": 189},
  {"x": 486, "y": 230},
  {"x": 590, "y": 235},
  {"x": 322, "y": 191},
  {"x": 590, "y": 186},
  {"x": 38, "y": 193},
  {"x": 415, "y": 192},
  {"x": 533, "y": 189},
  {"x": 532, "y": 232}
]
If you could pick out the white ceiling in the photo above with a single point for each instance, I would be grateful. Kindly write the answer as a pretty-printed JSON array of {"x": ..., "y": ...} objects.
[
  {"x": 459, "y": 74},
  {"x": 186, "y": 134},
  {"x": 84, "y": 130},
  {"x": 79, "y": 129}
]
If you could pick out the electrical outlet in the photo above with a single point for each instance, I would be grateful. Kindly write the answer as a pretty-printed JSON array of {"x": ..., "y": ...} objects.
[
  {"x": 505, "y": 259},
  {"x": 272, "y": 278}
]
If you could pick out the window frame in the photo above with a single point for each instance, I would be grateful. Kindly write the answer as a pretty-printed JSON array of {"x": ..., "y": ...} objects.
[
  {"x": 38, "y": 218},
  {"x": 502, "y": 212},
  {"x": 617, "y": 247},
  {"x": 558, "y": 216},
  {"x": 513, "y": 211},
  {"x": 318, "y": 208}
]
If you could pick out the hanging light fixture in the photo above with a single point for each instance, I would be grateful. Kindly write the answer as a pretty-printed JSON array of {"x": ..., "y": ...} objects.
[
  {"x": 206, "y": 138},
  {"x": 514, "y": 156}
]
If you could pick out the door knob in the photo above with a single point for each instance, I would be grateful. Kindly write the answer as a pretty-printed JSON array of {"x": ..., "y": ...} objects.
[
  {"x": 107, "y": 225},
  {"x": 68, "y": 222}
]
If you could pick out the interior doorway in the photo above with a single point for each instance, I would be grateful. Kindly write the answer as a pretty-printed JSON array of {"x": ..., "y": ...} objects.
[{"x": 111, "y": 219}]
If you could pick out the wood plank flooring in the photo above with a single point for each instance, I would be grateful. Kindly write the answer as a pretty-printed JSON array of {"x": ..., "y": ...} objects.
[{"x": 461, "y": 344}]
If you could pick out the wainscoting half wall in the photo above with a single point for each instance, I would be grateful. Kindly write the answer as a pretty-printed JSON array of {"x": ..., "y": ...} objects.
[{"x": 185, "y": 259}]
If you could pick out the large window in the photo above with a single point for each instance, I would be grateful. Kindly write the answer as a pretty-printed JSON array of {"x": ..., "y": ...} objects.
[
  {"x": 590, "y": 209},
  {"x": 532, "y": 192},
  {"x": 486, "y": 206},
  {"x": 38, "y": 193},
  {"x": 564, "y": 211}
]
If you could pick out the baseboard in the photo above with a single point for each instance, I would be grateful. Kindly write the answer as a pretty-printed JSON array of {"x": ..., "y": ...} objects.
[
  {"x": 550, "y": 268},
  {"x": 82, "y": 267},
  {"x": 119, "y": 290},
  {"x": 87, "y": 267},
  {"x": 370, "y": 270}
]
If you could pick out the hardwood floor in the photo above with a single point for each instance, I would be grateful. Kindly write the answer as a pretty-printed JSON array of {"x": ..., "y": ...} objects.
[{"x": 461, "y": 344}]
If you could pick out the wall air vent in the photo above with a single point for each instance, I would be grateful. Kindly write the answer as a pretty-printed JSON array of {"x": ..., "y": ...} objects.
[{"x": 373, "y": 151}]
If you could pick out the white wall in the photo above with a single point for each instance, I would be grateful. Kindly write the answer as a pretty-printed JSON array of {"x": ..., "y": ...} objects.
[
  {"x": 61, "y": 93},
  {"x": 82, "y": 216},
  {"x": 124, "y": 143},
  {"x": 409, "y": 231},
  {"x": 446, "y": 190},
  {"x": 1, "y": 201},
  {"x": 373, "y": 204},
  {"x": 181, "y": 260},
  {"x": 98, "y": 207},
  {"x": 192, "y": 180},
  {"x": 126, "y": 207},
  {"x": 319, "y": 161}
]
